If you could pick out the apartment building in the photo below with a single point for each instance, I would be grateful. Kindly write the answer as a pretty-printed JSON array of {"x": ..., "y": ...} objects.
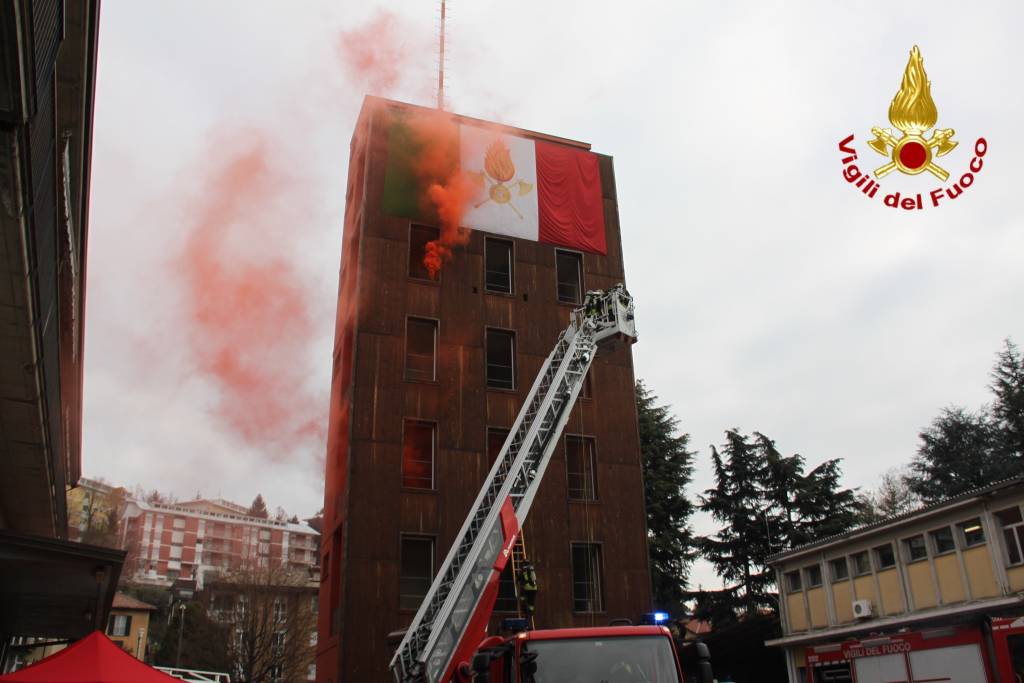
[{"x": 168, "y": 541}]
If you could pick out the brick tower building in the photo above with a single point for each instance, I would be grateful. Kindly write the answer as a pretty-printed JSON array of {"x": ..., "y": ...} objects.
[{"x": 429, "y": 374}]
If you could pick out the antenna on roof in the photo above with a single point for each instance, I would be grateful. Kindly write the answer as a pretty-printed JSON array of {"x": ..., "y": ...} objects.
[{"x": 440, "y": 65}]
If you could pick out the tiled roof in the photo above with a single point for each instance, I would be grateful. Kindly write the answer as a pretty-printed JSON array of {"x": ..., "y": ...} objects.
[{"x": 122, "y": 601}]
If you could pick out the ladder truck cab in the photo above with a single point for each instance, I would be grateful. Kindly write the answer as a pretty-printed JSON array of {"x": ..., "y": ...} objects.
[
  {"x": 603, "y": 654},
  {"x": 447, "y": 639}
]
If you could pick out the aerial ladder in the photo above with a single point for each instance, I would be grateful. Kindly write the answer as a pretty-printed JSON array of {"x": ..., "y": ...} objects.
[{"x": 453, "y": 617}]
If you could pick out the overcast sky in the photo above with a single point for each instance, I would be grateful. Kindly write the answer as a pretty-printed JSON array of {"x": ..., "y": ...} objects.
[{"x": 771, "y": 294}]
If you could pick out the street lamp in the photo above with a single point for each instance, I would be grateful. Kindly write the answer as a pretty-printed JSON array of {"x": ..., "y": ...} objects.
[{"x": 181, "y": 630}]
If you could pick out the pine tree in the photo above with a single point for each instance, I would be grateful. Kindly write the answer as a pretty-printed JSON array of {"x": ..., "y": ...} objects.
[
  {"x": 667, "y": 468},
  {"x": 1008, "y": 408},
  {"x": 740, "y": 549},
  {"x": 961, "y": 450},
  {"x": 258, "y": 508},
  {"x": 783, "y": 479},
  {"x": 767, "y": 504},
  {"x": 803, "y": 506},
  {"x": 958, "y": 452},
  {"x": 825, "y": 509}
]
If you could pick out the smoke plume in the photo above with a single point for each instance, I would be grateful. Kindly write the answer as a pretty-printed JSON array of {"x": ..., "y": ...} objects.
[
  {"x": 447, "y": 190},
  {"x": 249, "y": 323},
  {"x": 377, "y": 55}
]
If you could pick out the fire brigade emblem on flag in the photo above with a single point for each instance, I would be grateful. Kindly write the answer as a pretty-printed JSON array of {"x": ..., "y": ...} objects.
[
  {"x": 913, "y": 112},
  {"x": 499, "y": 170}
]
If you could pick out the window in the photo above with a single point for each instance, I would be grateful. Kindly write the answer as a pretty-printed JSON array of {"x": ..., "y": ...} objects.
[
  {"x": 279, "y": 610},
  {"x": 586, "y": 578},
  {"x": 175, "y": 552},
  {"x": 971, "y": 532},
  {"x": 861, "y": 563},
  {"x": 119, "y": 625},
  {"x": 264, "y": 534},
  {"x": 813, "y": 576},
  {"x": 914, "y": 548},
  {"x": 569, "y": 272},
  {"x": 1013, "y": 533},
  {"x": 839, "y": 569},
  {"x": 793, "y": 582},
  {"x": 495, "y": 440},
  {"x": 177, "y": 537},
  {"x": 418, "y": 454},
  {"x": 506, "y": 601},
  {"x": 885, "y": 556},
  {"x": 501, "y": 352},
  {"x": 311, "y": 672},
  {"x": 419, "y": 236},
  {"x": 581, "y": 466},
  {"x": 942, "y": 540},
  {"x": 420, "y": 349},
  {"x": 416, "y": 571},
  {"x": 313, "y": 638},
  {"x": 497, "y": 266},
  {"x": 179, "y": 523}
]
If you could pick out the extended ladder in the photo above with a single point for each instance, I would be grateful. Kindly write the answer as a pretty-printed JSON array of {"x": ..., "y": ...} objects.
[
  {"x": 518, "y": 559},
  {"x": 439, "y": 627}
]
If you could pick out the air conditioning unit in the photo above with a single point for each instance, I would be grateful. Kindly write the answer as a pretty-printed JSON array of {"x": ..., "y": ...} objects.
[{"x": 862, "y": 609}]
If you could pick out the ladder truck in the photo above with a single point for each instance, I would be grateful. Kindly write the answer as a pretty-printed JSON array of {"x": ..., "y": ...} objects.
[{"x": 446, "y": 640}]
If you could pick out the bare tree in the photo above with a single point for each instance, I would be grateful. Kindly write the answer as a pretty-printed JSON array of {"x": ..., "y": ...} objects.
[
  {"x": 103, "y": 519},
  {"x": 270, "y": 613},
  {"x": 893, "y": 496}
]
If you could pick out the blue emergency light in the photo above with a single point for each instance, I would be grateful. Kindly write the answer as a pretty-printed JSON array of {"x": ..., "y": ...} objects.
[{"x": 654, "y": 618}]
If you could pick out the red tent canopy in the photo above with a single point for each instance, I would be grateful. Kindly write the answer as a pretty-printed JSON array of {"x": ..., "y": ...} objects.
[{"x": 93, "y": 659}]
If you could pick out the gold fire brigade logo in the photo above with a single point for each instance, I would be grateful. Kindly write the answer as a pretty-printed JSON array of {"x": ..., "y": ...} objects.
[
  {"x": 499, "y": 170},
  {"x": 913, "y": 150},
  {"x": 913, "y": 112}
]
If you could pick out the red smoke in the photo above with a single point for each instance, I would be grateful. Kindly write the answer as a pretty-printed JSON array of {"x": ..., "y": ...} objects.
[
  {"x": 248, "y": 319},
  {"x": 376, "y": 53},
  {"x": 449, "y": 191}
]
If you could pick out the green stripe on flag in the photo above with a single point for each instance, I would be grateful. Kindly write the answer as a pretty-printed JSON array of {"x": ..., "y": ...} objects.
[{"x": 412, "y": 136}]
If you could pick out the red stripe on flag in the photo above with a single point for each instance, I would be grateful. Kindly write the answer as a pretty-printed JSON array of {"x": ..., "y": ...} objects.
[{"x": 569, "y": 203}]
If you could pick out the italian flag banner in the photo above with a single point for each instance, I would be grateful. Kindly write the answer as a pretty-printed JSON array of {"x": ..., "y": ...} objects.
[{"x": 521, "y": 187}]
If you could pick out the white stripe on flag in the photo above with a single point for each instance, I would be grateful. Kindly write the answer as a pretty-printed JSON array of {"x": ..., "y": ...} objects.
[{"x": 507, "y": 203}]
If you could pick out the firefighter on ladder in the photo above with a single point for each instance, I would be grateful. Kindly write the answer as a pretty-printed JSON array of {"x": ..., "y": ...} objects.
[{"x": 528, "y": 589}]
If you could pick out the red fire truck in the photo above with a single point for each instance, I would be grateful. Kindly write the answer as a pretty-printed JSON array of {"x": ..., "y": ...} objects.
[{"x": 985, "y": 651}]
